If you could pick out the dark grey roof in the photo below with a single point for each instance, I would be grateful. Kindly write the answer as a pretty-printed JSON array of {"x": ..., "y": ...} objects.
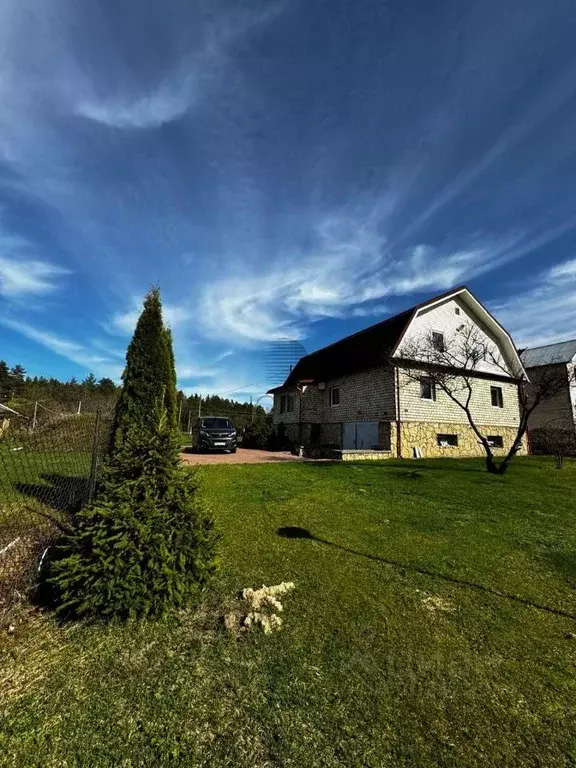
[
  {"x": 562, "y": 352},
  {"x": 364, "y": 349}
]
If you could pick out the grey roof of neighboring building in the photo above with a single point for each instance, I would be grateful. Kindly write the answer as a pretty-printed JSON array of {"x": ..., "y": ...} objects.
[{"x": 562, "y": 352}]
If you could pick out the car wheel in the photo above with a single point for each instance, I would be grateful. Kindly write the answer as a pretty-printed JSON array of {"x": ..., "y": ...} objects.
[{"x": 232, "y": 450}]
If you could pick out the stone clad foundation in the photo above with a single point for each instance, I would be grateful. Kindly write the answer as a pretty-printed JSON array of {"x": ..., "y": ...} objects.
[{"x": 414, "y": 435}]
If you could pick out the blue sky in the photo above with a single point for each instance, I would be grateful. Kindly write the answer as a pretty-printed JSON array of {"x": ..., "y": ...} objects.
[{"x": 282, "y": 169}]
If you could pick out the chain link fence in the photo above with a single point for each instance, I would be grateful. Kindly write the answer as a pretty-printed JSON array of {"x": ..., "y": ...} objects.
[{"x": 49, "y": 467}]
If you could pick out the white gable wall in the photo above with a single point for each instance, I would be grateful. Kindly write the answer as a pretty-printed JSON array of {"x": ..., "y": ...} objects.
[{"x": 443, "y": 317}]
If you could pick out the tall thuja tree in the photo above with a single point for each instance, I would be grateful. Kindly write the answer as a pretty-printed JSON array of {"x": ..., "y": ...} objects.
[
  {"x": 147, "y": 544},
  {"x": 148, "y": 377}
]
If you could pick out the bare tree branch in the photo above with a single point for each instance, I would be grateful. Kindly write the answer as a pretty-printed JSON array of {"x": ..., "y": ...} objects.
[{"x": 461, "y": 360}]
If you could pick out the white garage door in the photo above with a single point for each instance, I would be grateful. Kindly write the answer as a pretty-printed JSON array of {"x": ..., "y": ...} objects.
[{"x": 360, "y": 434}]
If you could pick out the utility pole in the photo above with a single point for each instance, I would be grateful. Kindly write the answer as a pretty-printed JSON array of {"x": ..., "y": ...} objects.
[
  {"x": 180, "y": 415},
  {"x": 251, "y": 411},
  {"x": 34, "y": 417},
  {"x": 79, "y": 407},
  {"x": 199, "y": 405},
  {"x": 189, "y": 422}
]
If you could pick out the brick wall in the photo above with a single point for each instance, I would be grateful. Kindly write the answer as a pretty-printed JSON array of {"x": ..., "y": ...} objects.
[
  {"x": 364, "y": 396},
  {"x": 443, "y": 409}
]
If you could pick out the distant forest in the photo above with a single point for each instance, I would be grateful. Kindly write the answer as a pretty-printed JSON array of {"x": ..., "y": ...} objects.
[{"x": 21, "y": 392}]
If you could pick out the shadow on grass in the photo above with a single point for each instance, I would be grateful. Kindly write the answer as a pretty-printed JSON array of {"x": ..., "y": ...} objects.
[
  {"x": 294, "y": 532},
  {"x": 565, "y": 563},
  {"x": 64, "y": 493}
]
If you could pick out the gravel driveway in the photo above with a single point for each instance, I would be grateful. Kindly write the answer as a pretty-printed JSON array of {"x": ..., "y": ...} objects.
[{"x": 242, "y": 456}]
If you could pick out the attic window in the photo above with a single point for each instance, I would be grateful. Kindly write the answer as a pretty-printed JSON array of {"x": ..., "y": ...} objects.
[
  {"x": 457, "y": 310},
  {"x": 438, "y": 341},
  {"x": 334, "y": 395}
]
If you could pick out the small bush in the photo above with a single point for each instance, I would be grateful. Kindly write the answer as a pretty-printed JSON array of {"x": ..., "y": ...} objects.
[{"x": 259, "y": 434}]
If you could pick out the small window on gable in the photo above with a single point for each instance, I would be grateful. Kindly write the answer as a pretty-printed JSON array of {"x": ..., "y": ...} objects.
[
  {"x": 496, "y": 441},
  {"x": 447, "y": 441},
  {"x": 457, "y": 310},
  {"x": 438, "y": 341},
  {"x": 334, "y": 395},
  {"x": 427, "y": 388},
  {"x": 497, "y": 397}
]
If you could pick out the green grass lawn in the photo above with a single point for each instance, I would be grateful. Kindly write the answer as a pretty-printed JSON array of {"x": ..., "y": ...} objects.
[{"x": 402, "y": 643}]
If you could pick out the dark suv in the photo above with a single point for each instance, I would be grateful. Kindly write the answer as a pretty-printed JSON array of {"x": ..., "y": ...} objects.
[{"x": 216, "y": 433}]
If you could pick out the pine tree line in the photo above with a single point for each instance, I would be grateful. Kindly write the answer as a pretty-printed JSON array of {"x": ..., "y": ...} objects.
[{"x": 240, "y": 414}]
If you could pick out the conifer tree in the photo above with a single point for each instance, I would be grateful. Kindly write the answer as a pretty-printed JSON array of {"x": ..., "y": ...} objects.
[{"x": 147, "y": 544}]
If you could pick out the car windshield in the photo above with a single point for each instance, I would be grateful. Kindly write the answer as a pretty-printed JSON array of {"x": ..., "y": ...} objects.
[{"x": 215, "y": 423}]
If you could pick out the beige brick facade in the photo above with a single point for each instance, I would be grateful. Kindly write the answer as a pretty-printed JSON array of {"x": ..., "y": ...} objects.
[
  {"x": 372, "y": 396},
  {"x": 443, "y": 409}
]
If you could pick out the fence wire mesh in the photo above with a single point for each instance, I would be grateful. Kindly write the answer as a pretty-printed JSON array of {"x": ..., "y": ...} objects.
[{"x": 49, "y": 467}]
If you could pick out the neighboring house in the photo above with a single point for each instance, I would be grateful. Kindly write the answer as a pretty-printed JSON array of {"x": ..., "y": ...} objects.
[
  {"x": 359, "y": 394},
  {"x": 556, "y": 413}
]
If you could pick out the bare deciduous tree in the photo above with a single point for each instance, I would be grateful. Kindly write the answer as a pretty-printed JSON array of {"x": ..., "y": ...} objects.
[{"x": 455, "y": 363}]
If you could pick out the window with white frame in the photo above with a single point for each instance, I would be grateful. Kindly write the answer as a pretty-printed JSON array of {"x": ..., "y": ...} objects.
[
  {"x": 427, "y": 388},
  {"x": 286, "y": 403},
  {"x": 497, "y": 397},
  {"x": 334, "y": 395}
]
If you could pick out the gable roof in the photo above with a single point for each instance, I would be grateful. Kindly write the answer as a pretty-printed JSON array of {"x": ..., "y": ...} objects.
[
  {"x": 374, "y": 346},
  {"x": 561, "y": 352}
]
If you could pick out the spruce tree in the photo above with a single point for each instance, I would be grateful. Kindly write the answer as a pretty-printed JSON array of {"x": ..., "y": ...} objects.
[{"x": 147, "y": 544}]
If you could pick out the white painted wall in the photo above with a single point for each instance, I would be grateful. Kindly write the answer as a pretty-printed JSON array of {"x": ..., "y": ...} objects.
[{"x": 444, "y": 318}]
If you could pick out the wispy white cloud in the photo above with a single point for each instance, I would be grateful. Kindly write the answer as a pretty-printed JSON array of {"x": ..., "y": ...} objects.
[
  {"x": 65, "y": 347},
  {"x": 28, "y": 277},
  {"x": 125, "y": 322},
  {"x": 159, "y": 107},
  {"x": 198, "y": 371},
  {"x": 348, "y": 273},
  {"x": 187, "y": 82},
  {"x": 544, "y": 313},
  {"x": 21, "y": 273}
]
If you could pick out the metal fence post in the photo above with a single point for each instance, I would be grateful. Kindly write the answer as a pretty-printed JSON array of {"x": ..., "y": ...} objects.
[{"x": 94, "y": 462}]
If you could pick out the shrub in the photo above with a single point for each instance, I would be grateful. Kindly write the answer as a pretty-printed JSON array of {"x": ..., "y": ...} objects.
[{"x": 259, "y": 434}]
